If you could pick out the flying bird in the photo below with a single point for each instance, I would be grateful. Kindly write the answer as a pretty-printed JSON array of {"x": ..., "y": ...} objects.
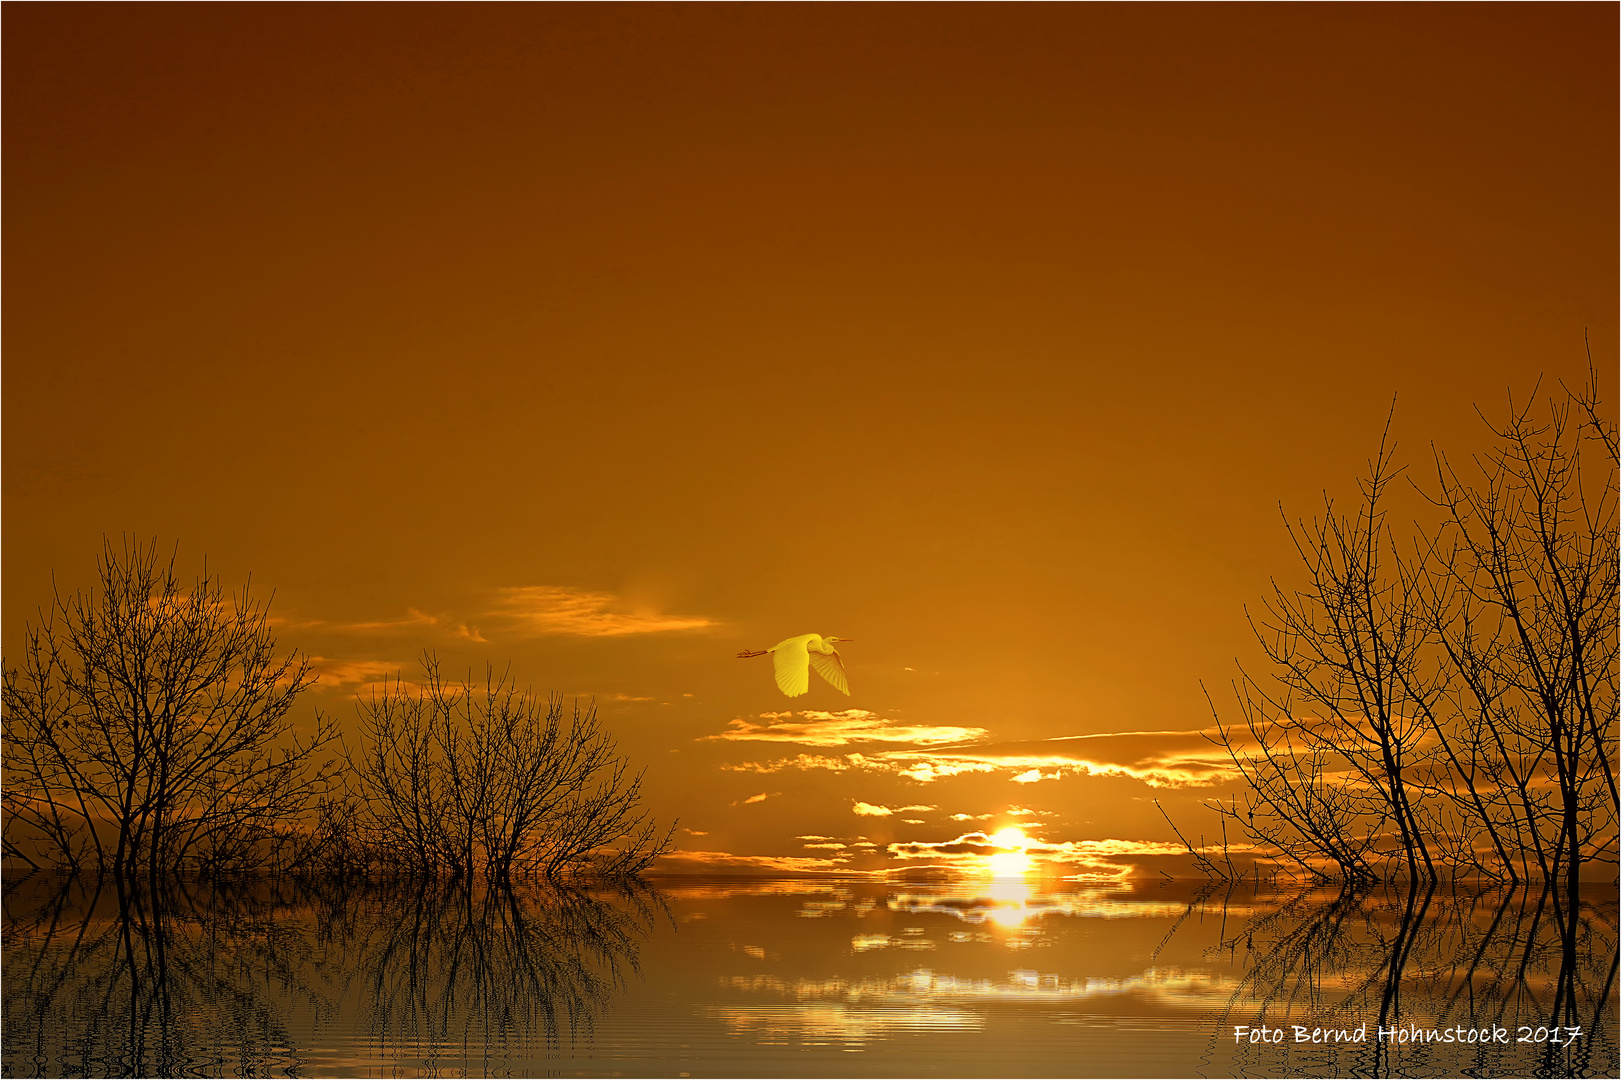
[{"x": 796, "y": 656}]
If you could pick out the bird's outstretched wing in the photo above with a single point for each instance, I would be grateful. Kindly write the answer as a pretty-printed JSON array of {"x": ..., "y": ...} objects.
[
  {"x": 792, "y": 662},
  {"x": 831, "y": 668}
]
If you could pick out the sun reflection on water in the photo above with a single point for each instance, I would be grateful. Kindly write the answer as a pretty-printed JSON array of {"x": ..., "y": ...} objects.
[
  {"x": 856, "y": 1012},
  {"x": 1010, "y": 908},
  {"x": 1010, "y": 898}
]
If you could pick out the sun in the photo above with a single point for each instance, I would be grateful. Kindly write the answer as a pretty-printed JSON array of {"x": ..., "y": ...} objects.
[
  {"x": 1010, "y": 838},
  {"x": 1009, "y": 864}
]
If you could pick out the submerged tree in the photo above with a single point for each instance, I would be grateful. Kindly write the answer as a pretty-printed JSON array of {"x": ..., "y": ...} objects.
[
  {"x": 456, "y": 779},
  {"x": 1452, "y": 709},
  {"x": 1523, "y": 592},
  {"x": 148, "y": 729},
  {"x": 1338, "y": 748}
]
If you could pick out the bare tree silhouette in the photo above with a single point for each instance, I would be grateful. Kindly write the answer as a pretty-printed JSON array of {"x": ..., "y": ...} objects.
[
  {"x": 148, "y": 729},
  {"x": 1450, "y": 710},
  {"x": 456, "y": 779},
  {"x": 1523, "y": 594}
]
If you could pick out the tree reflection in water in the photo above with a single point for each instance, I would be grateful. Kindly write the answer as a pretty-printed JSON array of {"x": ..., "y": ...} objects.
[
  {"x": 494, "y": 966},
  {"x": 1524, "y": 961},
  {"x": 103, "y": 979},
  {"x": 408, "y": 977}
]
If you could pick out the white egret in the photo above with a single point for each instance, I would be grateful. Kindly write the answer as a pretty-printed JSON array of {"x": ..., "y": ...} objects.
[{"x": 796, "y": 656}]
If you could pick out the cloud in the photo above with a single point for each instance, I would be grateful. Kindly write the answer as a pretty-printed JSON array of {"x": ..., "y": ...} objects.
[
  {"x": 803, "y": 761},
  {"x": 1104, "y": 859},
  {"x": 412, "y": 620},
  {"x": 1161, "y": 759},
  {"x": 699, "y": 862},
  {"x": 1012, "y": 811},
  {"x": 345, "y": 672},
  {"x": 974, "y": 843},
  {"x": 818, "y": 728},
  {"x": 866, "y": 809},
  {"x": 521, "y": 611},
  {"x": 921, "y": 771},
  {"x": 762, "y": 797},
  {"x": 524, "y": 611},
  {"x": 537, "y": 610},
  {"x": 926, "y": 772},
  {"x": 1158, "y": 758}
]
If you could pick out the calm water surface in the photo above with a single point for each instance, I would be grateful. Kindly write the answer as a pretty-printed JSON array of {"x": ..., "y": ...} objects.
[{"x": 802, "y": 978}]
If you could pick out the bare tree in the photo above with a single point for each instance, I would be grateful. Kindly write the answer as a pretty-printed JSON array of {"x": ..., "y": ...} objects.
[
  {"x": 148, "y": 728},
  {"x": 1525, "y": 602},
  {"x": 1461, "y": 699},
  {"x": 1335, "y": 750},
  {"x": 456, "y": 779}
]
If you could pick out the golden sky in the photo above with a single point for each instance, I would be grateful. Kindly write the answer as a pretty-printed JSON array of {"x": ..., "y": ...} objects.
[{"x": 609, "y": 340}]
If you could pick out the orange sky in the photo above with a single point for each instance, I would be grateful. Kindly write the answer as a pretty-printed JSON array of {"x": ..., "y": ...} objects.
[{"x": 623, "y": 338}]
